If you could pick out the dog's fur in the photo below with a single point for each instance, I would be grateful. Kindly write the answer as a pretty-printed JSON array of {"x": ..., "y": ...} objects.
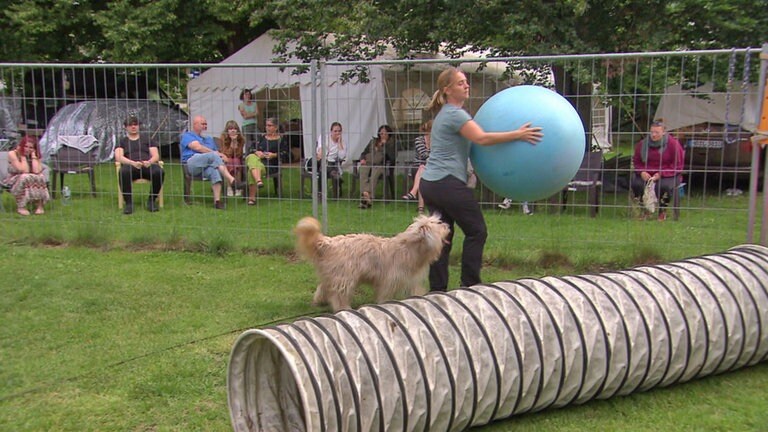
[{"x": 389, "y": 265}]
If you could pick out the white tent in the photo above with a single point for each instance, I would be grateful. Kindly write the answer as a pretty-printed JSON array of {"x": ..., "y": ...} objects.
[
  {"x": 215, "y": 94},
  {"x": 680, "y": 108},
  {"x": 359, "y": 107}
]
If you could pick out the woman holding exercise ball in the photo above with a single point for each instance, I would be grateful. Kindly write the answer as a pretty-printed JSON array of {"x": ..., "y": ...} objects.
[{"x": 444, "y": 181}]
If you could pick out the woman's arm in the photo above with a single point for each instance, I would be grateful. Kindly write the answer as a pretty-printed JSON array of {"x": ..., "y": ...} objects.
[
  {"x": 342, "y": 151},
  {"x": 422, "y": 152},
  {"x": 37, "y": 167},
  {"x": 262, "y": 146},
  {"x": 18, "y": 162},
  {"x": 679, "y": 156},
  {"x": 473, "y": 132},
  {"x": 364, "y": 154},
  {"x": 282, "y": 149}
]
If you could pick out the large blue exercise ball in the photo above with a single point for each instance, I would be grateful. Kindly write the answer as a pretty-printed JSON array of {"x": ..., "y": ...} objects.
[{"x": 519, "y": 170}]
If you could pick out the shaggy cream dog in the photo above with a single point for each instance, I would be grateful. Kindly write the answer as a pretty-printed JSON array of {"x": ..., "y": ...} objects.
[{"x": 389, "y": 265}]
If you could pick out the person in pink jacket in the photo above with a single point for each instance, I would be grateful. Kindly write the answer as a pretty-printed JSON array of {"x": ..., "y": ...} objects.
[{"x": 658, "y": 157}]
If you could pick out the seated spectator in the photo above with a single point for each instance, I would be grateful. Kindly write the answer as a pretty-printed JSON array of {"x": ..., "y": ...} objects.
[
  {"x": 202, "y": 157},
  {"x": 335, "y": 153},
  {"x": 422, "y": 145},
  {"x": 138, "y": 157},
  {"x": 265, "y": 157},
  {"x": 658, "y": 157},
  {"x": 232, "y": 146},
  {"x": 373, "y": 163},
  {"x": 25, "y": 177}
]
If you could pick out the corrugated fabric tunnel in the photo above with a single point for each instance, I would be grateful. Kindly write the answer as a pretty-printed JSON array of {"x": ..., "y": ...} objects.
[{"x": 449, "y": 361}]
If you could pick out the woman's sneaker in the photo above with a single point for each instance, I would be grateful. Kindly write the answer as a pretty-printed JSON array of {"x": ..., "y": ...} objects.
[{"x": 526, "y": 209}]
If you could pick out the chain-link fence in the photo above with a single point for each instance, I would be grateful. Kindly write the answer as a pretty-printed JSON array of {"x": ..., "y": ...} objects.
[{"x": 709, "y": 100}]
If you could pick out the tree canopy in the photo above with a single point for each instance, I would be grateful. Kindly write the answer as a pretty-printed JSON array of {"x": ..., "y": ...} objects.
[
  {"x": 125, "y": 30},
  {"x": 209, "y": 30},
  {"x": 529, "y": 27}
]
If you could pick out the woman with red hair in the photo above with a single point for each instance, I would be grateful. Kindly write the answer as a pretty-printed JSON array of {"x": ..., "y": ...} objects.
[{"x": 25, "y": 177}]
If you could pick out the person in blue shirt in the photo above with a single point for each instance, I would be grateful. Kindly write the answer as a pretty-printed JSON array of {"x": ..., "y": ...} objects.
[
  {"x": 202, "y": 157},
  {"x": 444, "y": 181}
]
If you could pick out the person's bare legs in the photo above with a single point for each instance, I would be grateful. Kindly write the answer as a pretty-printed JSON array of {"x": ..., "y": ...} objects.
[
  {"x": 252, "y": 191},
  {"x": 416, "y": 181},
  {"x": 237, "y": 172},
  {"x": 256, "y": 173},
  {"x": 226, "y": 175},
  {"x": 216, "y": 188}
]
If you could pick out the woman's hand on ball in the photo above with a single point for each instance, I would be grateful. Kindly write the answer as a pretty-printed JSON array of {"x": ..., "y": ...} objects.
[{"x": 530, "y": 134}]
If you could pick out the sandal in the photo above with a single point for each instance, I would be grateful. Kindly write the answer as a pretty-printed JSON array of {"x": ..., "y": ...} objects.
[
  {"x": 23, "y": 212},
  {"x": 409, "y": 197},
  {"x": 259, "y": 184},
  {"x": 39, "y": 211},
  {"x": 251, "y": 202}
]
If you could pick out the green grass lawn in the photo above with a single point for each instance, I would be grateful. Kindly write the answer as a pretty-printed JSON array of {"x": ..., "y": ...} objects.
[
  {"x": 98, "y": 340},
  {"x": 114, "y": 322},
  {"x": 708, "y": 223}
]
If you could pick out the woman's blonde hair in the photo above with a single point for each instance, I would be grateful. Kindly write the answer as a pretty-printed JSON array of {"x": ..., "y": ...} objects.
[{"x": 445, "y": 79}]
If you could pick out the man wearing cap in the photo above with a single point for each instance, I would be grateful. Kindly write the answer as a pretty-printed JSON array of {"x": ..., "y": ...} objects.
[{"x": 138, "y": 157}]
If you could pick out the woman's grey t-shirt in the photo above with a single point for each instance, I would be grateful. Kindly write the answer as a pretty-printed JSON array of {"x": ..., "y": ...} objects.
[{"x": 450, "y": 150}]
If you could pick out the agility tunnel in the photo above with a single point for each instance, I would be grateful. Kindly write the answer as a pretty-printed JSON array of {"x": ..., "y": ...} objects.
[{"x": 449, "y": 361}]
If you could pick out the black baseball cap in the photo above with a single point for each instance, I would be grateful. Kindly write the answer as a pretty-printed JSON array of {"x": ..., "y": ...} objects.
[{"x": 131, "y": 120}]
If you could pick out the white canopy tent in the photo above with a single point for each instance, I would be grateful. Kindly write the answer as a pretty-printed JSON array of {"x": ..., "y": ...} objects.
[
  {"x": 359, "y": 107},
  {"x": 215, "y": 94},
  {"x": 681, "y": 108}
]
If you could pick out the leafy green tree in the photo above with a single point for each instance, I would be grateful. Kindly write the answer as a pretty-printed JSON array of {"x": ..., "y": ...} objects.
[
  {"x": 39, "y": 30},
  {"x": 352, "y": 30},
  {"x": 209, "y": 30},
  {"x": 174, "y": 30},
  {"x": 529, "y": 27},
  {"x": 125, "y": 30}
]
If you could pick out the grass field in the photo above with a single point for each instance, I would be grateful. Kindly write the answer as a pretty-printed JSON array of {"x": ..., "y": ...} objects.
[
  {"x": 114, "y": 322},
  {"x": 100, "y": 340}
]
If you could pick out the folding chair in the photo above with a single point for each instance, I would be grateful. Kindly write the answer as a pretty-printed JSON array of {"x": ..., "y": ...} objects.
[
  {"x": 76, "y": 154},
  {"x": 589, "y": 177}
]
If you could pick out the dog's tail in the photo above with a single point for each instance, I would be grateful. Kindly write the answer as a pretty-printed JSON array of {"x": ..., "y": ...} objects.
[{"x": 308, "y": 234}]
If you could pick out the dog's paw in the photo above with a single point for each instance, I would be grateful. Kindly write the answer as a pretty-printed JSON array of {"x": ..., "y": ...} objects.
[{"x": 319, "y": 298}]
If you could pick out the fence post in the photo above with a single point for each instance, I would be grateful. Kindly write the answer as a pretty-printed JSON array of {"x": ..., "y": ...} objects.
[{"x": 758, "y": 141}]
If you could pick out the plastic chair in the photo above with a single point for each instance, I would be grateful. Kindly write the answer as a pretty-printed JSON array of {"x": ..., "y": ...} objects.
[
  {"x": 589, "y": 177},
  {"x": 121, "y": 201},
  {"x": 76, "y": 154}
]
